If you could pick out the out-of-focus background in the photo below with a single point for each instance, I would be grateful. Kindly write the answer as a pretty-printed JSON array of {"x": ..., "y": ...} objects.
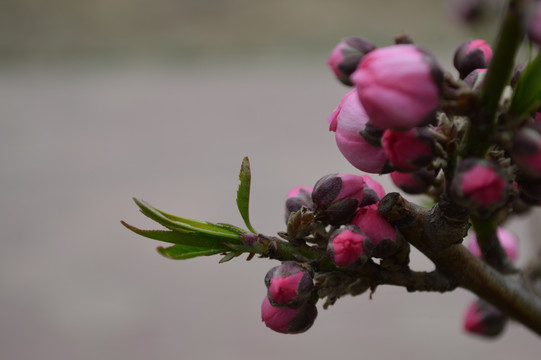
[{"x": 104, "y": 100}]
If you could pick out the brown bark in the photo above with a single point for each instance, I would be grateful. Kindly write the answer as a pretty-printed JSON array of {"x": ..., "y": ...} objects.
[{"x": 438, "y": 233}]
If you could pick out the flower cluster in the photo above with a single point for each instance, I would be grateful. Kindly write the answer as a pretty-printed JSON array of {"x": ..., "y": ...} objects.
[
  {"x": 469, "y": 139},
  {"x": 406, "y": 118},
  {"x": 345, "y": 224},
  {"x": 397, "y": 120}
]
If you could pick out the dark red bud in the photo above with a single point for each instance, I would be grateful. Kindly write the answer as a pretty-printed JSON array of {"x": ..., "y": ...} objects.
[
  {"x": 289, "y": 285},
  {"x": 471, "y": 55},
  {"x": 480, "y": 185},
  {"x": 288, "y": 321},
  {"x": 483, "y": 319}
]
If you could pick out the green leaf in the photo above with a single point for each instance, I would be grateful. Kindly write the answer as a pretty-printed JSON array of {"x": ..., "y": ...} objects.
[
  {"x": 230, "y": 255},
  {"x": 527, "y": 95},
  {"x": 243, "y": 193},
  {"x": 232, "y": 228},
  {"x": 180, "y": 252},
  {"x": 185, "y": 225},
  {"x": 199, "y": 240}
]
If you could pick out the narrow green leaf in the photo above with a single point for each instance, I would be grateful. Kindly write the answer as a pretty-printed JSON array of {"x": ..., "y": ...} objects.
[
  {"x": 243, "y": 193},
  {"x": 185, "y": 225},
  {"x": 181, "y": 252},
  {"x": 527, "y": 95},
  {"x": 230, "y": 255},
  {"x": 199, "y": 240},
  {"x": 232, "y": 228},
  {"x": 202, "y": 225}
]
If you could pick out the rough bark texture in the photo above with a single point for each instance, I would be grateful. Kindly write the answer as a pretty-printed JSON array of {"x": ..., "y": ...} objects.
[{"x": 438, "y": 233}]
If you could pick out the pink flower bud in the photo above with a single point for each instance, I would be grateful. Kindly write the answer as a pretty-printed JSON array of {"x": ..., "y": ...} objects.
[
  {"x": 483, "y": 319},
  {"x": 336, "y": 197},
  {"x": 475, "y": 78},
  {"x": 471, "y": 55},
  {"x": 470, "y": 11},
  {"x": 479, "y": 185},
  {"x": 346, "y": 56},
  {"x": 381, "y": 233},
  {"x": 409, "y": 150},
  {"x": 347, "y": 245},
  {"x": 507, "y": 239},
  {"x": 348, "y": 121},
  {"x": 373, "y": 191},
  {"x": 289, "y": 285},
  {"x": 534, "y": 24},
  {"x": 526, "y": 151},
  {"x": 416, "y": 182},
  {"x": 288, "y": 321},
  {"x": 297, "y": 198},
  {"x": 399, "y": 86}
]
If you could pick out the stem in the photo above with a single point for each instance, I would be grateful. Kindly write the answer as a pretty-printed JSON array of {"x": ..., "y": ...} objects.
[
  {"x": 496, "y": 79},
  {"x": 491, "y": 249},
  {"x": 439, "y": 239},
  {"x": 417, "y": 280}
]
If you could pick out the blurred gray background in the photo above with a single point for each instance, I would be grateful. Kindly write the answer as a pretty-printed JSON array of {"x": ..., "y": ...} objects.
[{"x": 104, "y": 100}]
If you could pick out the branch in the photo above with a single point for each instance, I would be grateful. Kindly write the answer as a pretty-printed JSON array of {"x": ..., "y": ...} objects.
[{"x": 438, "y": 233}]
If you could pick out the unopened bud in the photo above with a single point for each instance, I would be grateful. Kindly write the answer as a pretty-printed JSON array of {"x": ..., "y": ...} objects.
[
  {"x": 289, "y": 285},
  {"x": 347, "y": 245},
  {"x": 398, "y": 77},
  {"x": 534, "y": 24},
  {"x": 470, "y": 11},
  {"x": 479, "y": 185},
  {"x": 288, "y": 321},
  {"x": 373, "y": 191},
  {"x": 409, "y": 150},
  {"x": 507, "y": 240},
  {"x": 416, "y": 182},
  {"x": 336, "y": 197},
  {"x": 483, "y": 319},
  {"x": 349, "y": 121},
  {"x": 471, "y": 55},
  {"x": 526, "y": 151},
  {"x": 381, "y": 233},
  {"x": 297, "y": 198},
  {"x": 346, "y": 56}
]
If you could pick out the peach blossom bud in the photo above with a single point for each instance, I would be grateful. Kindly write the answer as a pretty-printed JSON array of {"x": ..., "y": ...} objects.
[
  {"x": 409, "y": 150},
  {"x": 526, "y": 151},
  {"x": 479, "y": 185},
  {"x": 336, "y": 197},
  {"x": 471, "y": 55},
  {"x": 288, "y": 321},
  {"x": 534, "y": 24},
  {"x": 483, "y": 319},
  {"x": 507, "y": 240},
  {"x": 399, "y": 86},
  {"x": 373, "y": 191},
  {"x": 416, "y": 182},
  {"x": 348, "y": 245},
  {"x": 381, "y": 233},
  {"x": 289, "y": 285},
  {"x": 346, "y": 56},
  {"x": 297, "y": 198},
  {"x": 349, "y": 120}
]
